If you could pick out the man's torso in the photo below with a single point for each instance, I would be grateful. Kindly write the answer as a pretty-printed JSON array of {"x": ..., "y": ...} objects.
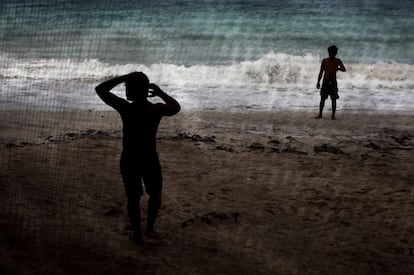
[{"x": 140, "y": 125}]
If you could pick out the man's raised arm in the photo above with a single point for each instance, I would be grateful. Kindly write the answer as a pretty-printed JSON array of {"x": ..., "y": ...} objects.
[
  {"x": 103, "y": 90},
  {"x": 171, "y": 106}
]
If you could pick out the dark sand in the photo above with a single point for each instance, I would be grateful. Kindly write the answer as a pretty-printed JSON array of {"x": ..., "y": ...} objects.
[{"x": 256, "y": 193}]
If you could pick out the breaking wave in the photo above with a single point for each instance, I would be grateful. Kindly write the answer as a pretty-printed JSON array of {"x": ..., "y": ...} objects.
[{"x": 273, "y": 70}]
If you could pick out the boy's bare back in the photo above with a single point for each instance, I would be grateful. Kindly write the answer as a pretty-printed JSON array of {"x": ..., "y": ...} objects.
[{"x": 330, "y": 66}]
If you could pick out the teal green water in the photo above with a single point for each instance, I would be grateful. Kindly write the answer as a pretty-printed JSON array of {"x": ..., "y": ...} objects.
[{"x": 206, "y": 32}]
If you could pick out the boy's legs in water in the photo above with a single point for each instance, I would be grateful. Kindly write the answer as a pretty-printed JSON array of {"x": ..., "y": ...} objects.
[
  {"x": 333, "y": 108},
  {"x": 321, "y": 106}
]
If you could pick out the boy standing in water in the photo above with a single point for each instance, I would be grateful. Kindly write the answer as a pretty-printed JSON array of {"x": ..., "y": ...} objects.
[
  {"x": 329, "y": 67},
  {"x": 139, "y": 159}
]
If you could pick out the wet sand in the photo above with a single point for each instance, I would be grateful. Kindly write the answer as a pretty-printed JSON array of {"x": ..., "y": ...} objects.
[{"x": 252, "y": 193}]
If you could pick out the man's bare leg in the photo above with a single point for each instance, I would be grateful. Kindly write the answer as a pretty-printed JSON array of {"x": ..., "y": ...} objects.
[
  {"x": 154, "y": 204},
  {"x": 134, "y": 214}
]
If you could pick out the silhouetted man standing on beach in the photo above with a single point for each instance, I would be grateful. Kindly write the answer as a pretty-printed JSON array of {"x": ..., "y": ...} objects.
[
  {"x": 139, "y": 159},
  {"x": 329, "y": 67}
]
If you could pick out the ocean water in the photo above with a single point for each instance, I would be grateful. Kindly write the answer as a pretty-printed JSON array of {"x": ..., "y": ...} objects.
[{"x": 233, "y": 55}]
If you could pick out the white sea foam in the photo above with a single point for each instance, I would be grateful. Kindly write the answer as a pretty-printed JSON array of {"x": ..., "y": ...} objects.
[
  {"x": 272, "y": 70},
  {"x": 275, "y": 81}
]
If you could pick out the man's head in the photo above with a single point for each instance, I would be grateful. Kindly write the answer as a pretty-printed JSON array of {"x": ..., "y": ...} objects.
[
  {"x": 332, "y": 50},
  {"x": 137, "y": 85}
]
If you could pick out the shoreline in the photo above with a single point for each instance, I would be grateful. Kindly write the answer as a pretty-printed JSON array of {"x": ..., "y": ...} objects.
[{"x": 32, "y": 124}]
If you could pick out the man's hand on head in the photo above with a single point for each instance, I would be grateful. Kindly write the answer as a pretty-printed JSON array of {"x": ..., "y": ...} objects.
[{"x": 155, "y": 90}]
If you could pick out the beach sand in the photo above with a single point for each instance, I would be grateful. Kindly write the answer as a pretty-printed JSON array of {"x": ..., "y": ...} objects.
[{"x": 251, "y": 193}]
